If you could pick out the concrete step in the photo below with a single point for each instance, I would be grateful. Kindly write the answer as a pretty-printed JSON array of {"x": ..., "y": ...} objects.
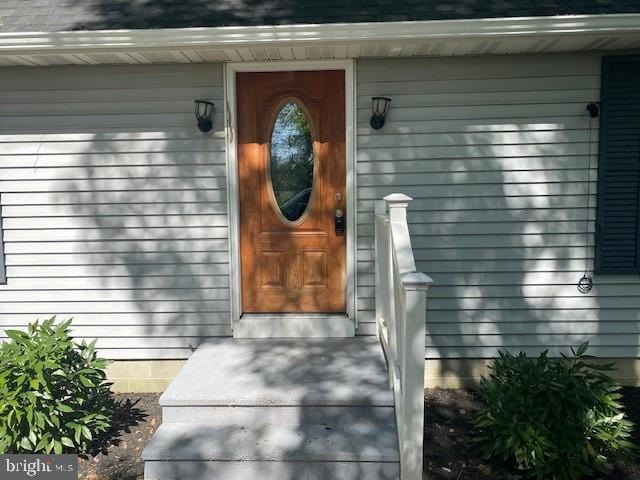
[
  {"x": 327, "y": 450},
  {"x": 327, "y": 441},
  {"x": 278, "y": 409},
  {"x": 192, "y": 470},
  {"x": 217, "y": 415},
  {"x": 282, "y": 372}
]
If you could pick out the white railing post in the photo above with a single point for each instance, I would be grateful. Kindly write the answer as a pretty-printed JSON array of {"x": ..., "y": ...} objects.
[
  {"x": 415, "y": 286},
  {"x": 384, "y": 291},
  {"x": 401, "y": 303},
  {"x": 381, "y": 265}
]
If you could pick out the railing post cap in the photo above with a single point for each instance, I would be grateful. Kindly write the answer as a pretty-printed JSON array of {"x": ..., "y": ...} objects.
[
  {"x": 397, "y": 198},
  {"x": 416, "y": 280}
]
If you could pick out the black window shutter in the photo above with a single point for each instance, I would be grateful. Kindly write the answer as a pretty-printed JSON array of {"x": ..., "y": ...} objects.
[
  {"x": 617, "y": 243},
  {"x": 3, "y": 273}
]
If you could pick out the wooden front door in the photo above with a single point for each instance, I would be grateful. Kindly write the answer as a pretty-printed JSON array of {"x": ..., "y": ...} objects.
[{"x": 291, "y": 166}]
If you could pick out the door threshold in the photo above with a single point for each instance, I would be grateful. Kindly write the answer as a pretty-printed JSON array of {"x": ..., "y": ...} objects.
[{"x": 294, "y": 325}]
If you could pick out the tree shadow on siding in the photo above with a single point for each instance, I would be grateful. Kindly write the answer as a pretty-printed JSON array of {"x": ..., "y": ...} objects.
[
  {"x": 147, "y": 208},
  {"x": 164, "y": 236},
  {"x": 501, "y": 228},
  {"x": 513, "y": 259}
]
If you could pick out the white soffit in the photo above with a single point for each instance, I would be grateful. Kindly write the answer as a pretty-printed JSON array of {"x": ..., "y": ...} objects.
[{"x": 297, "y": 42}]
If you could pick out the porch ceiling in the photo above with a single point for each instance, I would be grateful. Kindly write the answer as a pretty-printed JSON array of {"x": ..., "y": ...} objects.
[{"x": 332, "y": 41}]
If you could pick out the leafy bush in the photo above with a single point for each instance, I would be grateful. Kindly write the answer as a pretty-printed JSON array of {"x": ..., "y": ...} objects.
[
  {"x": 556, "y": 419},
  {"x": 53, "y": 394}
]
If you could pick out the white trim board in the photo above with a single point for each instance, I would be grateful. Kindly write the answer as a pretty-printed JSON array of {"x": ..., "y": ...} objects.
[
  {"x": 100, "y": 41},
  {"x": 435, "y": 38},
  {"x": 232, "y": 171}
]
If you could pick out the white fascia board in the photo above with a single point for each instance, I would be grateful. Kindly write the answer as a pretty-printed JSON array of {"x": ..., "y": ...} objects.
[{"x": 297, "y": 35}]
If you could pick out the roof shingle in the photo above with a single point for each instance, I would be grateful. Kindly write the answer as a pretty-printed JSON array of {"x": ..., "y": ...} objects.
[{"x": 65, "y": 15}]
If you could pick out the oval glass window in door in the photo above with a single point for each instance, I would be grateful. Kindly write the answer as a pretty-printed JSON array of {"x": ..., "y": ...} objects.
[{"x": 291, "y": 162}]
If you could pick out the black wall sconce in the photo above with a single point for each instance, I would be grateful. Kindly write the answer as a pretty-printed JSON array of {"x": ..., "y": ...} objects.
[
  {"x": 204, "y": 111},
  {"x": 379, "y": 110}
]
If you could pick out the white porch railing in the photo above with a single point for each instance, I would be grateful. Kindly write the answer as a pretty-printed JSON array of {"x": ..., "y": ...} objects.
[{"x": 401, "y": 304}]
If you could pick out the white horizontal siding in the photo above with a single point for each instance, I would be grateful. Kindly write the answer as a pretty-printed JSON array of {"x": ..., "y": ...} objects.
[
  {"x": 494, "y": 151},
  {"x": 114, "y": 205}
]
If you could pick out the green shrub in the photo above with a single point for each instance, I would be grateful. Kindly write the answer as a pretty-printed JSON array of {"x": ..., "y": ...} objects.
[
  {"x": 556, "y": 419},
  {"x": 53, "y": 394}
]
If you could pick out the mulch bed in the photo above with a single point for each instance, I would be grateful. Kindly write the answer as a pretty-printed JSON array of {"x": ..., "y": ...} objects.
[
  {"x": 118, "y": 455},
  {"x": 449, "y": 453}
]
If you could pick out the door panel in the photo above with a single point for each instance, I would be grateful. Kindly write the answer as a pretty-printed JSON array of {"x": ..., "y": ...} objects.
[{"x": 291, "y": 166}]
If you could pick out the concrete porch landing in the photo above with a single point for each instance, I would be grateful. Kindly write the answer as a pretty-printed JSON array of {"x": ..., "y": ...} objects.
[{"x": 278, "y": 409}]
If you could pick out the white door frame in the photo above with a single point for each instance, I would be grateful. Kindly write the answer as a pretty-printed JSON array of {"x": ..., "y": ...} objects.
[{"x": 233, "y": 200}]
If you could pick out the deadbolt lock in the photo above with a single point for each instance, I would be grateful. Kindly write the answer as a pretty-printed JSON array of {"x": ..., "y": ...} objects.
[{"x": 339, "y": 221}]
